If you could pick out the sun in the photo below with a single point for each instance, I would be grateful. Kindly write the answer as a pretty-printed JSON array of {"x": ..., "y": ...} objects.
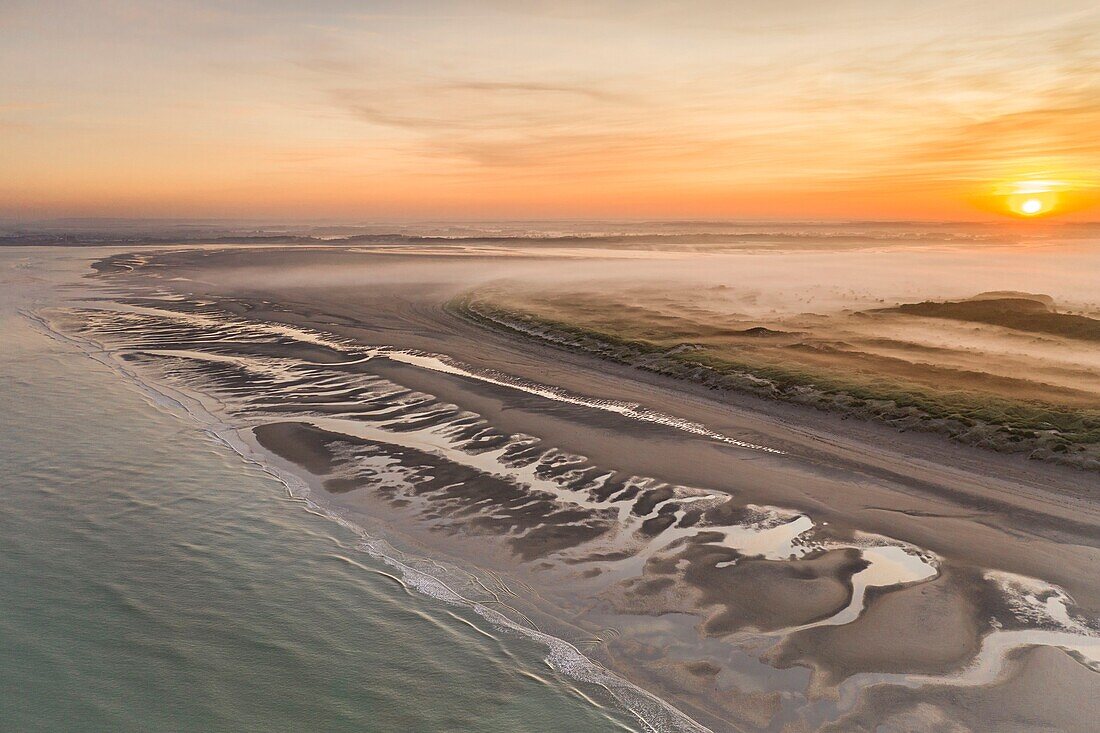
[
  {"x": 1031, "y": 202},
  {"x": 1031, "y": 207},
  {"x": 1029, "y": 199}
]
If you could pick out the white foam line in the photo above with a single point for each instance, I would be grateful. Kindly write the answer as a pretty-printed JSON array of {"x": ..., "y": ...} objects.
[
  {"x": 446, "y": 365},
  {"x": 563, "y": 657},
  {"x": 634, "y": 411}
]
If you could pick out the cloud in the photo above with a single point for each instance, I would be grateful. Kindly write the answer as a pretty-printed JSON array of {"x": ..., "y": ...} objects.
[{"x": 592, "y": 93}]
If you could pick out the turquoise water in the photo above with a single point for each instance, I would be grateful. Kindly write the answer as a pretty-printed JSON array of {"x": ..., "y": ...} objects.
[{"x": 150, "y": 580}]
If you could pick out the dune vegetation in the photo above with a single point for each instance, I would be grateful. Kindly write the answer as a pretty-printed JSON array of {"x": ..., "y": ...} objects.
[{"x": 865, "y": 364}]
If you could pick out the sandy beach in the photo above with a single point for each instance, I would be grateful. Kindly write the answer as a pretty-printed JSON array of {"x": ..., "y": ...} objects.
[{"x": 756, "y": 564}]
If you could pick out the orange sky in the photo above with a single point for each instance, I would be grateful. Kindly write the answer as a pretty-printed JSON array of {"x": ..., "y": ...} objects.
[{"x": 351, "y": 110}]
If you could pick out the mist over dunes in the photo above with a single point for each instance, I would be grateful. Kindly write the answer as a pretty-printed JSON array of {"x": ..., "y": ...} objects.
[{"x": 1035, "y": 315}]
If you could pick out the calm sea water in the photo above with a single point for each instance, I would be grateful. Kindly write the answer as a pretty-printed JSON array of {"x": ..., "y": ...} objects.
[{"x": 150, "y": 580}]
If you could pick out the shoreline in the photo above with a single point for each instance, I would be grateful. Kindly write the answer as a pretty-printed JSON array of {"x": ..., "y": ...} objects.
[{"x": 562, "y": 656}]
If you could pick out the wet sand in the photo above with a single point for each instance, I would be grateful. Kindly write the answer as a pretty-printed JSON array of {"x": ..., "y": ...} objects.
[
  {"x": 1042, "y": 688},
  {"x": 760, "y": 566}
]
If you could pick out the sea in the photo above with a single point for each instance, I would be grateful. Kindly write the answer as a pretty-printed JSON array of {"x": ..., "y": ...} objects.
[{"x": 152, "y": 580}]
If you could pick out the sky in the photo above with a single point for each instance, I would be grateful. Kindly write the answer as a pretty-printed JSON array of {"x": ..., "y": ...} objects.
[{"x": 510, "y": 109}]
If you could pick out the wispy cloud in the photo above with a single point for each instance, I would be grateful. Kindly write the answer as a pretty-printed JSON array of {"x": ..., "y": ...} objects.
[{"x": 516, "y": 87}]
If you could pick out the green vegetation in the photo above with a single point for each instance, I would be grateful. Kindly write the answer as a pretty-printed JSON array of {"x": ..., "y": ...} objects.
[
  {"x": 1017, "y": 313},
  {"x": 1046, "y": 430}
]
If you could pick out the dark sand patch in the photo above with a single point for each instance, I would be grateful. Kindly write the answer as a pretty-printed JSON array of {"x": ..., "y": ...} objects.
[
  {"x": 301, "y": 444},
  {"x": 933, "y": 627},
  {"x": 751, "y": 593},
  {"x": 529, "y": 522},
  {"x": 768, "y": 594}
]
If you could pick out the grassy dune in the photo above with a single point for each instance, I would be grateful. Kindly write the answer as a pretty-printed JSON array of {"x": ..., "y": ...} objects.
[
  {"x": 1021, "y": 314},
  {"x": 823, "y": 366}
]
